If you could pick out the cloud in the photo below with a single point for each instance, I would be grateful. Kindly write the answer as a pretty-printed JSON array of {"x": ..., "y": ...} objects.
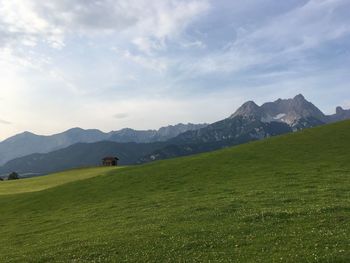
[
  {"x": 5, "y": 122},
  {"x": 302, "y": 28},
  {"x": 33, "y": 21},
  {"x": 347, "y": 104},
  {"x": 283, "y": 39},
  {"x": 167, "y": 21},
  {"x": 149, "y": 62},
  {"x": 21, "y": 24},
  {"x": 121, "y": 115},
  {"x": 34, "y": 32}
]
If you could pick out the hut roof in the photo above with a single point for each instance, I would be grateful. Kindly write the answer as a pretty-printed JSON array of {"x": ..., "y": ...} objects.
[{"x": 112, "y": 158}]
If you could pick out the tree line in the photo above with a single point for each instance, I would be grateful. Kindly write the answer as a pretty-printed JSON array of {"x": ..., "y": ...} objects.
[{"x": 11, "y": 176}]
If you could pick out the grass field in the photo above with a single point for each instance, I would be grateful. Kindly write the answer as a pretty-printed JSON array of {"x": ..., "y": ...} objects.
[
  {"x": 284, "y": 199},
  {"x": 44, "y": 182}
]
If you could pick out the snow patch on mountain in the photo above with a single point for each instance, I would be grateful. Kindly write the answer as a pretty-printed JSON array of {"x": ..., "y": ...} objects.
[{"x": 279, "y": 116}]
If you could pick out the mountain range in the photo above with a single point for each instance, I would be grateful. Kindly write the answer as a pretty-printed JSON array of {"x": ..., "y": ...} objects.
[
  {"x": 250, "y": 122},
  {"x": 28, "y": 143},
  {"x": 78, "y": 155}
]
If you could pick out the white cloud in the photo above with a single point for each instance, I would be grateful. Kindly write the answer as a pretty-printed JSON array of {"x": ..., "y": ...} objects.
[
  {"x": 282, "y": 39},
  {"x": 32, "y": 21},
  {"x": 4, "y": 122},
  {"x": 28, "y": 29},
  {"x": 150, "y": 62},
  {"x": 193, "y": 44},
  {"x": 146, "y": 45},
  {"x": 347, "y": 104},
  {"x": 121, "y": 115},
  {"x": 21, "y": 24},
  {"x": 302, "y": 28}
]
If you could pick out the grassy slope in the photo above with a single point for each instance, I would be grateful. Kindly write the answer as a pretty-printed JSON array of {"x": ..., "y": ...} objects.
[
  {"x": 284, "y": 199},
  {"x": 44, "y": 182}
]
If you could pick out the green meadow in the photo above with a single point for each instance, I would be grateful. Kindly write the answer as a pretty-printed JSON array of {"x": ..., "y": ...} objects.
[
  {"x": 283, "y": 199},
  {"x": 40, "y": 183}
]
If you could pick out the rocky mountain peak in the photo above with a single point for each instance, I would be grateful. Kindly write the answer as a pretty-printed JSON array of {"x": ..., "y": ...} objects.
[
  {"x": 299, "y": 97},
  {"x": 299, "y": 102},
  {"x": 339, "y": 110},
  {"x": 340, "y": 114},
  {"x": 290, "y": 111},
  {"x": 249, "y": 108}
]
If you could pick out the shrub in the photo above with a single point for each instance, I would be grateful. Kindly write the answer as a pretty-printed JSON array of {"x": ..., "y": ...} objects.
[{"x": 13, "y": 176}]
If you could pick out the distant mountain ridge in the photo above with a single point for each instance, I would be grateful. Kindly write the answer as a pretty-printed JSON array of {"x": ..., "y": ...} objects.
[
  {"x": 250, "y": 122},
  {"x": 147, "y": 136},
  {"x": 225, "y": 133},
  {"x": 28, "y": 143},
  {"x": 78, "y": 155}
]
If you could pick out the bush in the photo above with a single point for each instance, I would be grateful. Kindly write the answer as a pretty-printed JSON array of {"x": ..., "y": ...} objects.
[{"x": 13, "y": 176}]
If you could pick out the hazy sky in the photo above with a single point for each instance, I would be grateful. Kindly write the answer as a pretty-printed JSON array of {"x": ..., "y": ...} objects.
[{"x": 110, "y": 64}]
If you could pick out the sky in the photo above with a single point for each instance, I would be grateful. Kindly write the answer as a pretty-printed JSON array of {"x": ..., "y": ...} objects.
[{"x": 143, "y": 64}]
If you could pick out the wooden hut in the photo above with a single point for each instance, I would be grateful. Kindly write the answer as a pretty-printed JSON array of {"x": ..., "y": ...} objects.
[{"x": 110, "y": 161}]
